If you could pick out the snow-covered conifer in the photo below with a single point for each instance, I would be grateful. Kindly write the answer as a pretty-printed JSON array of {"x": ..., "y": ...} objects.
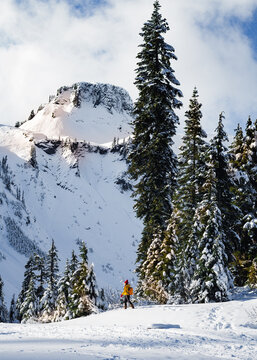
[
  {"x": 152, "y": 286},
  {"x": 3, "y": 309},
  {"x": 29, "y": 307},
  {"x": 250, "y": 154},
  {"x": 92, "y": 286},
  {"x": 190, "y": 178},
  {"x": 152, "y": 163},
  {"x": 80, "y": 302},
  {"x": 220, "y": 162},
  {"x": 39, "y": 267},
  {"x": 62, "y": 311},
  {"x": 13, "y": 311},
  {"x": 29, "y": 272},
  {"x": 52, "y": 275},
  {"x": 211, "y": 279},
  {"x": 243, "y": 199}
]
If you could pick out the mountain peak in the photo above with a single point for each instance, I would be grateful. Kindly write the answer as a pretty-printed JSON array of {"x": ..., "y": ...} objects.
[{"x": 91, "y": 112}]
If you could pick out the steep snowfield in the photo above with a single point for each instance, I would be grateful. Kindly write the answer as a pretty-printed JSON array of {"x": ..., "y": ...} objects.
[
  {"x": 67, "y": 191},
  {"x": 90, "y": 112},
  {"x": 195, "y": 332}
]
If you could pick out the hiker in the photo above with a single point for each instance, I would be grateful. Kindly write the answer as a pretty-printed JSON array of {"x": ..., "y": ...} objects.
[{"x": 128, "y": 290}]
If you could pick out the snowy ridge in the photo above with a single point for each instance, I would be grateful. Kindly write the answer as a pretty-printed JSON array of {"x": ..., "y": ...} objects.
[
  {"x": 84, "y": 111},
  {"x": 68, "y": 190}
]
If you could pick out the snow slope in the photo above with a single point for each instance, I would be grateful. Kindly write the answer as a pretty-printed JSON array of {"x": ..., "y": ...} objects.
[
  {"x": 70, "y": 188},
  {"x": 195, "y": 332}
]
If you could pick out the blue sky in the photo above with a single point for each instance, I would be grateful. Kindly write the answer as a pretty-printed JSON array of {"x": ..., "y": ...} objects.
[
  {"x": 78, "y": 7},
  {"x": 45, "y": 44},
  {"x": 250, "y": 30}
]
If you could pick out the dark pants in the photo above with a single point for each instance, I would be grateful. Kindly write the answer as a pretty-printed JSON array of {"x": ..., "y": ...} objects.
[{"x": 127, "y": 300}]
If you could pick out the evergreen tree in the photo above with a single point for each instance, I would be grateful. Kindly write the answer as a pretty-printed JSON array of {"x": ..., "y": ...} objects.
[
  {"x": 28, "y": 274},
  {"x": 92, "y": 287},
  {"x": 211, "y": 279},
  {"x": 73, "y": 263},
  {"x": 80, "y": 302},
  {"x": 191, "y": 165},
  {"x": 224, "y": 185},
  {"x": 250, "y": 154},
  {"x": 52, "y": 275},
  {"x": 243, "y": 194},
  {"x": 13, "y": 311},
  {"x": 40, "y": 275},
  {"x": 152, "y": 163},
  {"x": 190, "y": 179},
  {"x": 29, "y": 307},
  {"x": 243, "y": 165},
  {"x": 152, "y": 286},
  {"x": 3, "y": 309},
  {"x": 64, "y": 289}
]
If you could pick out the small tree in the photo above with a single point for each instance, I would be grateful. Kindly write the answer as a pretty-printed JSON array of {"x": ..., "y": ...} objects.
[
  {"x": 152, "y": 284},
  {"x": 3, "y": 309},
  {"x": 62, "y": 311},
  {"x": 39, "y": 266},
  {"x": 52, "y": 275},
  {"x": 28, "y": 274},
  {"x": 29, "y": 307},
  {"x": 13, "y": 311},
  {"x": 92, "y": 287},
  {"x": 81, "y": 304}
]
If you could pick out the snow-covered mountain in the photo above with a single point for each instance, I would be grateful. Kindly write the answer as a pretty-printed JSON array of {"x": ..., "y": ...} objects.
[
  {"x": 54, "y": 184},
  {"x": 91, "y": 112}
]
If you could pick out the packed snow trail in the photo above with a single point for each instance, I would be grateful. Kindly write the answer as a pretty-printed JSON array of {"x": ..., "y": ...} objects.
[{"x": 196, "y": 332}]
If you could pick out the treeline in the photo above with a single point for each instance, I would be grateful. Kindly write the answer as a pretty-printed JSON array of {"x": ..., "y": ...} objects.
[
  {"x": 199, "y": 210},
  {"x": 46, "y": 295}
]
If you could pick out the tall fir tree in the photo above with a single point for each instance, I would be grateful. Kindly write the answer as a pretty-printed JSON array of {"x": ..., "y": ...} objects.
[
  {"x": 188, "y": 194},
  {"x": 250, "y": 154},
  {"x": 152, "y": 163},
  {"x": 224, "y": 185},
  {"x": 243, "y": 198},
  {"x": 248, "y": 241},
  {"x": 211, "y": 279}
]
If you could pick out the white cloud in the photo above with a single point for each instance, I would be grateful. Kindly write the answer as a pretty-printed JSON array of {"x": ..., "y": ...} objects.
[{"x": 44, "y": 46}]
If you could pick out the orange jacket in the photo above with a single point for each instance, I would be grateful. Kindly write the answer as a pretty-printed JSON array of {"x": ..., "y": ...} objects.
[{"x": 126, "y": 290}]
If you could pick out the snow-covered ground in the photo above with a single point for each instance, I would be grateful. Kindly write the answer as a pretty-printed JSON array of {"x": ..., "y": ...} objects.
[{"x": 204, "y": 331}]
